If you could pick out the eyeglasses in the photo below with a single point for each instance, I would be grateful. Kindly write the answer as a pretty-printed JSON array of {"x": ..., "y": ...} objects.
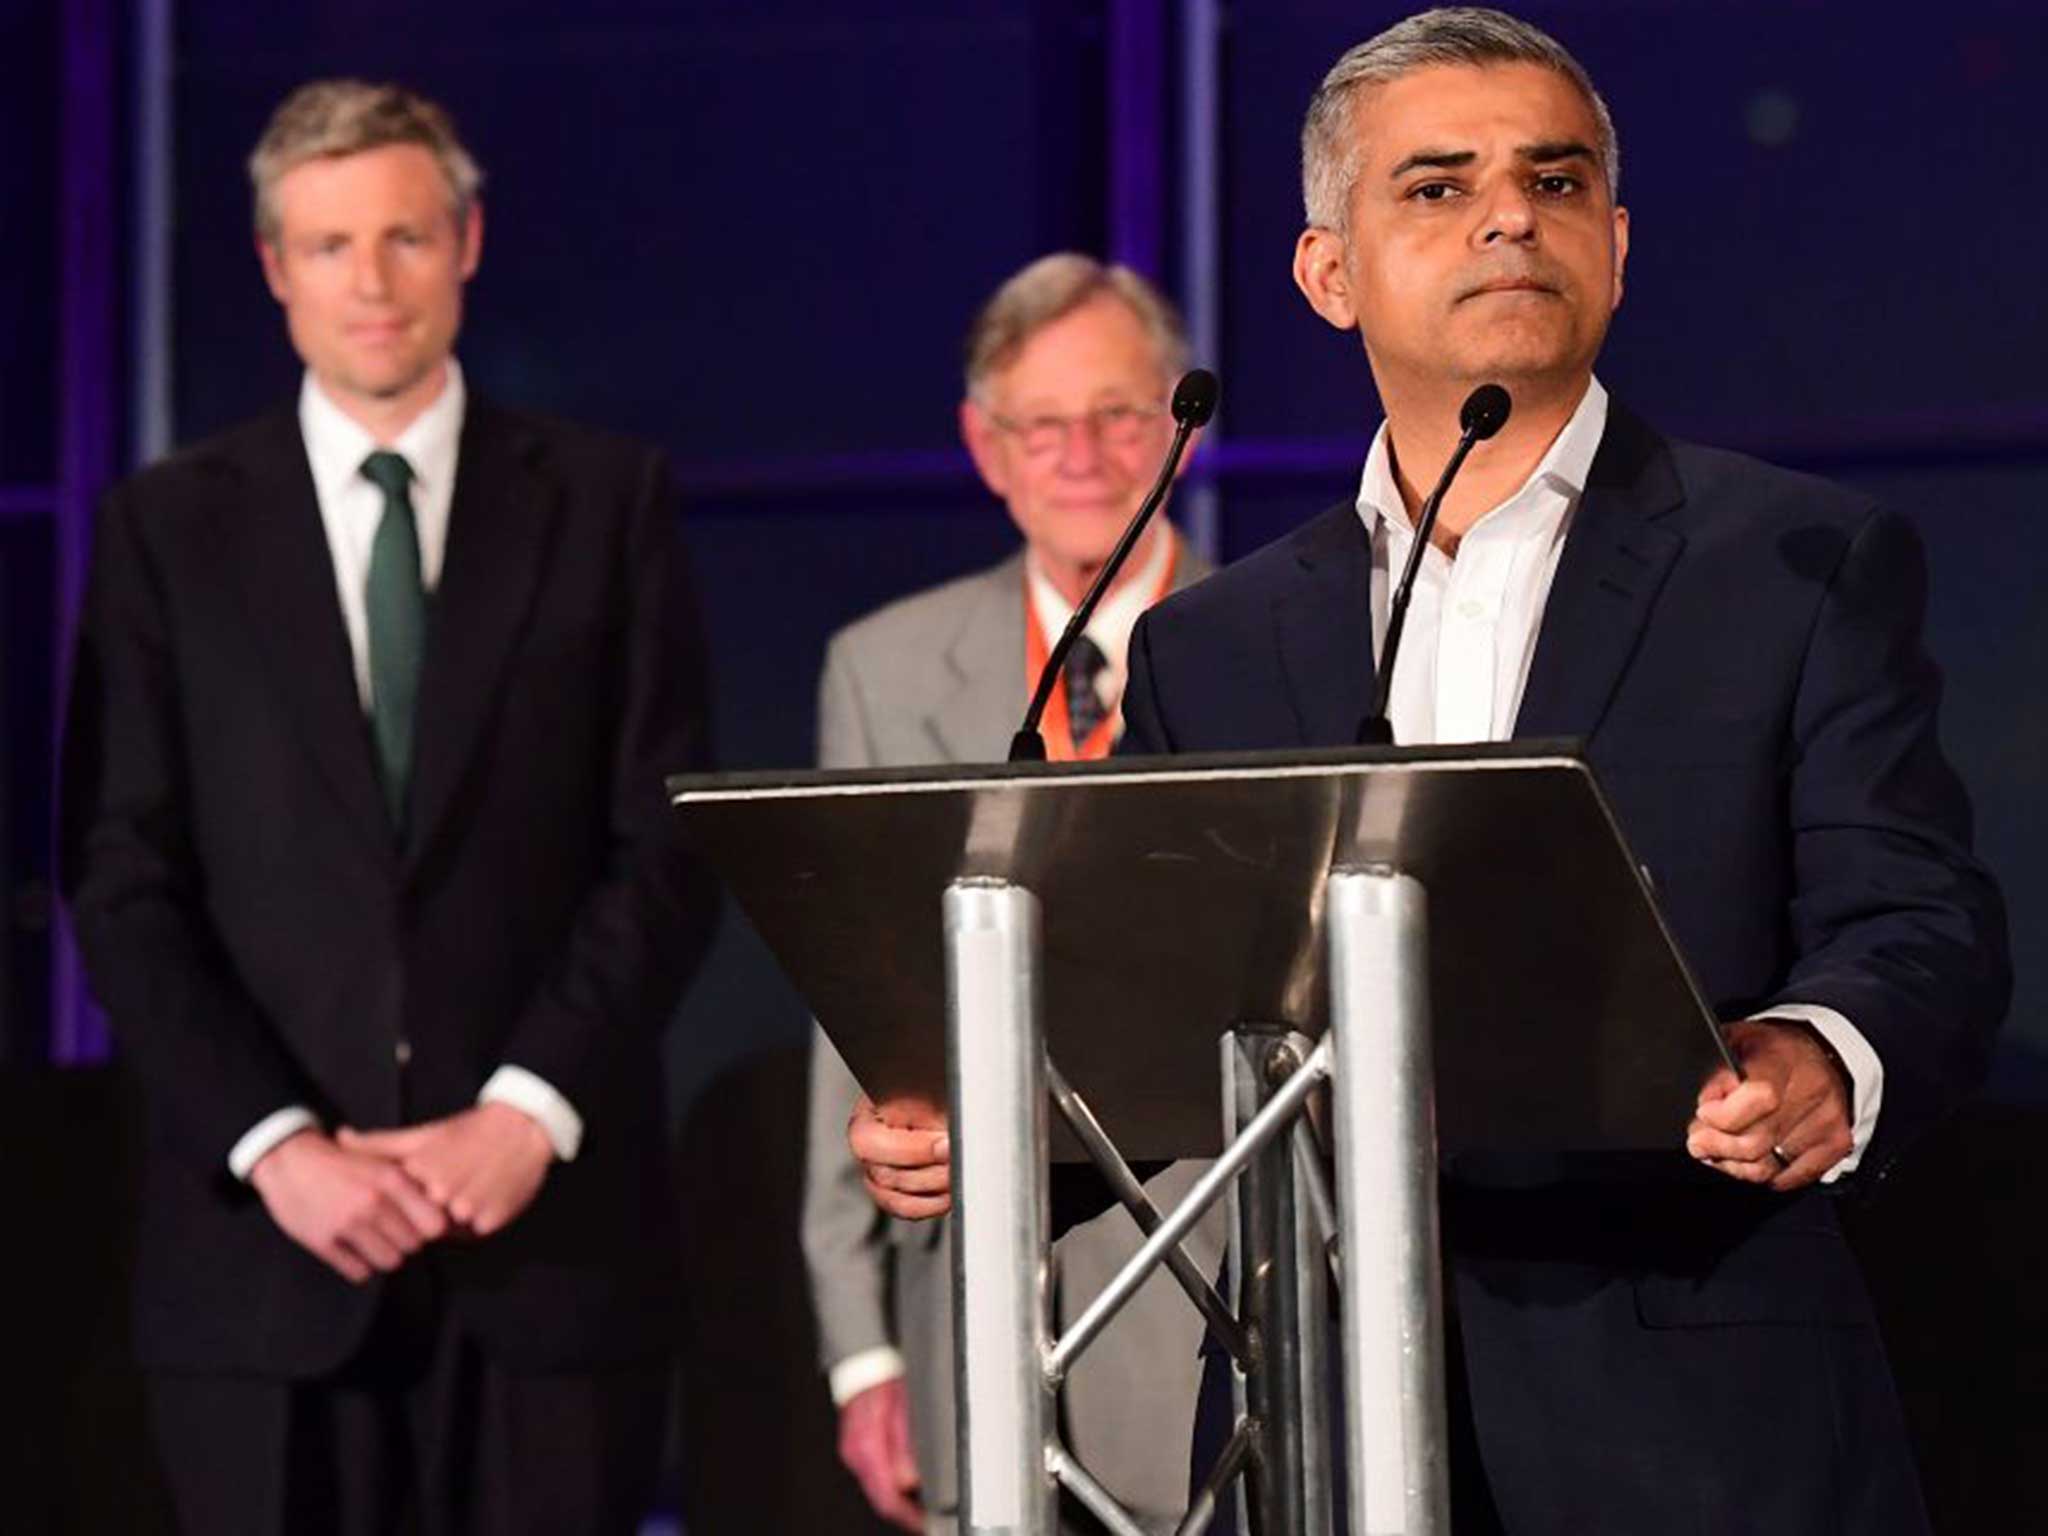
[{"x": 1117, "y": 426}]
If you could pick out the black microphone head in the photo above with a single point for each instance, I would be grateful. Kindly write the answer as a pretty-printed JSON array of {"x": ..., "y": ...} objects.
[
  {"x": 1484, "y": 412},
  {"x": 1194, "y": 398}
]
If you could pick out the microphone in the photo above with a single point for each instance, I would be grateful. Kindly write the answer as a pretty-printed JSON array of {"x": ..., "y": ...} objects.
[
  {"x": 1484, "y": 413},
  {"x": 1194, "y": 402}
]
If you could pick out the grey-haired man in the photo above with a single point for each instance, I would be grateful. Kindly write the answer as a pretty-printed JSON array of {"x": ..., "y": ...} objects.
[{"x": 1069, "y": 366}]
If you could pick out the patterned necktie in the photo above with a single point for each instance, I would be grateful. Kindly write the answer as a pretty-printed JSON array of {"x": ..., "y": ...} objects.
[
  {"x": 397, "y": 605},
  {"x": 1083, "y": 671}
]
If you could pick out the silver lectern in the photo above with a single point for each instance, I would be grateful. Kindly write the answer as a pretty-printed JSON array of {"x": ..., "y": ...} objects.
[{"x": 1369, "y": 959}]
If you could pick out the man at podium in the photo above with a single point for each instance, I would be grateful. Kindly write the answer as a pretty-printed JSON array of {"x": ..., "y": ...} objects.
[{"x": 1739, "y": 648}]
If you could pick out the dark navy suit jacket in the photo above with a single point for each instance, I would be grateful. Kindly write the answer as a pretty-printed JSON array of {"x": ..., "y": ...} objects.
[{"x": 1739, "y": 648}]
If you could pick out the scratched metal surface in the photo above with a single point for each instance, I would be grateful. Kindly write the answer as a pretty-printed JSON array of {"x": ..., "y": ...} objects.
[{"x": 1183, "y": 895}]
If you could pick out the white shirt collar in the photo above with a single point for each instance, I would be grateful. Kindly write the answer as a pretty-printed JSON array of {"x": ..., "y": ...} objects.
[
  {"x": 336, "y": 444},
  {"x": 1563, "y": 468}
]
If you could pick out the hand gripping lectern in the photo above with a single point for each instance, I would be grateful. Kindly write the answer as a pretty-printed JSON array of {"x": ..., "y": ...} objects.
[{"x": 1368, "y": 959}]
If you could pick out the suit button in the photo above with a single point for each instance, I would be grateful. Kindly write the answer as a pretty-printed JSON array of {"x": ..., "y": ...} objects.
[{"x": 403, "y": 1052}]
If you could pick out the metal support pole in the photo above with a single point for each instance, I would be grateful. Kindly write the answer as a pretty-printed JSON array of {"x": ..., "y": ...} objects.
[
  {"x": 995, "y": 1079},
  {"x": 1271, "y": 1122},
  {"x": 1199, "y": 506},
  {"x": 1098, "y": 1500},
  {"x": 153, "y": 138},
  {"x": 1130, "y": 1192},
  {"x": 1312, "y": 1229},
  {"x": 1202, "y": 1508},
  {"x": 1382, "y": 1100},
  {"x": 1312, "y": 1173},
  {"x": 1265, "y": 1263}
]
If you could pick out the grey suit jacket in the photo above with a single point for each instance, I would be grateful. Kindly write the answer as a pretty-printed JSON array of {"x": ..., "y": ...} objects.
[{"x": 938, "y": 677}]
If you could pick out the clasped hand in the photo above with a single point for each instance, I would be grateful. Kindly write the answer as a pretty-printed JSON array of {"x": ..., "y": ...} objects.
[{"x": 364, "y": 1202}]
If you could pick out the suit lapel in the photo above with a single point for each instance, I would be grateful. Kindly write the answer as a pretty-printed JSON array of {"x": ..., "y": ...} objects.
[
  {"x": 1323, "y": 624},
  {"x": 500, "y": 526},
  {"x": 1613, "y": 564},
  {"x": 985, "y": 696},
  {"x": 286, "y": 576}
]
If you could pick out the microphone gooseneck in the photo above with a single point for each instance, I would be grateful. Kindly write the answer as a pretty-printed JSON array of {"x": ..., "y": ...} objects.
[
  {"x": 1194, "y": 402},
  {"x": 1484, "y": 413}
]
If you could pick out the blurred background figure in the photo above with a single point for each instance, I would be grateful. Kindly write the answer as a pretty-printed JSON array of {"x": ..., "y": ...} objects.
[
  {"x": 371, "y": 865},
  {"x": 1069, "y": 367}
]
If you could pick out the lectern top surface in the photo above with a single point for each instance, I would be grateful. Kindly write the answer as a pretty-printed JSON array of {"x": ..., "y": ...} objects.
[{"x": 1182, "y": 895}]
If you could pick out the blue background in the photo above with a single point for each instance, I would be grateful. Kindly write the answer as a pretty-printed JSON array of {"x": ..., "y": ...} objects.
[{"x": 755, "y": 232}]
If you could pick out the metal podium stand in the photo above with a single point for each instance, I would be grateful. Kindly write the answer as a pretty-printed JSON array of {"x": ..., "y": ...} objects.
[{"x": 1370, "y": 959}]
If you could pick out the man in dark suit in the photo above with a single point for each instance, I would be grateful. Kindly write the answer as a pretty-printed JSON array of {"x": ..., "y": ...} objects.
[
  {"x": 370, "y": 862},
  {"x": 1643, "y": 1349}
]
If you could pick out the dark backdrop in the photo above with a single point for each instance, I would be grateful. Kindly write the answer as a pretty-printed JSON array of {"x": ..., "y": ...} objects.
[{"x": 754, "y": 231}]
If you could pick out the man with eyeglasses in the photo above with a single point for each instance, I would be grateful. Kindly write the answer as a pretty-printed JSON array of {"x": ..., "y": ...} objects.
[{"x": 1069, "y": 366}]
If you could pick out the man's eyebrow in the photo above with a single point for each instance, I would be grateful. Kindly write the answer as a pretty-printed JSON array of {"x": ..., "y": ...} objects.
[
  {"x": 1432, "y": 159},
  {"x": 1546, "y": 152},
  {"x": 1554, "y": 149}
]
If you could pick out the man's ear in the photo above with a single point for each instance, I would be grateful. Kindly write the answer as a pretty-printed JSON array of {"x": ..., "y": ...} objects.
[
  {"x": 990, "y": 462},
  {"x": 273, "y": 268},
  {"x": 1319, "y": 274},
  {"x": 472, "y": 239},
  {"x": 1620, "y": 251}
]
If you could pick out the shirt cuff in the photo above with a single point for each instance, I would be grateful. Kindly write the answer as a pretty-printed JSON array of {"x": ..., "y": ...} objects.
[
  {"x": 861, "y": 1370},
  {"x": 266, "y": 1135},
  {"x": 536, "y": 1096},
  {"x": 1866, "y": 1075}
]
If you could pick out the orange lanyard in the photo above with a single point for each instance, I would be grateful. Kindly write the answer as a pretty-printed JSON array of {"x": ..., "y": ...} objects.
[{"x": 1058, "y": 733}]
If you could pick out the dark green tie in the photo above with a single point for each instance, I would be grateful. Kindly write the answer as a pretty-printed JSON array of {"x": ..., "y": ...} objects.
[{"x": 397, "y": 605}]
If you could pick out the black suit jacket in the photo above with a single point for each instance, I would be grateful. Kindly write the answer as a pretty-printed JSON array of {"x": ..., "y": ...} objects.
[
  {"x": 1740, "y": 649},
  {"x": 261, "y": 936}
]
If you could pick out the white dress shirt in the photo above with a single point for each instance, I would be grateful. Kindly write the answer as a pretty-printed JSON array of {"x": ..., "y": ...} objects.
[
  {"x": 1471, "y": 632},
  {"x": 350, "y": 509},
  {"x": 351, "y": 506}
]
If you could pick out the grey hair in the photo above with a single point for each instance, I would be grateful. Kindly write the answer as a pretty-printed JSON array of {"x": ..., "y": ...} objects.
[
  {"x": 1053, "y": 287},
  {"x": 326, "y": 119},
  {"x": 1458, "y": 34}
]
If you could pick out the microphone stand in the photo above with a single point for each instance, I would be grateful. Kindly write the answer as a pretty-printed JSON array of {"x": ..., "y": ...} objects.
[
  {"x": 1194, "y": 399},
  {"x": 1484, "y": 413}
]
